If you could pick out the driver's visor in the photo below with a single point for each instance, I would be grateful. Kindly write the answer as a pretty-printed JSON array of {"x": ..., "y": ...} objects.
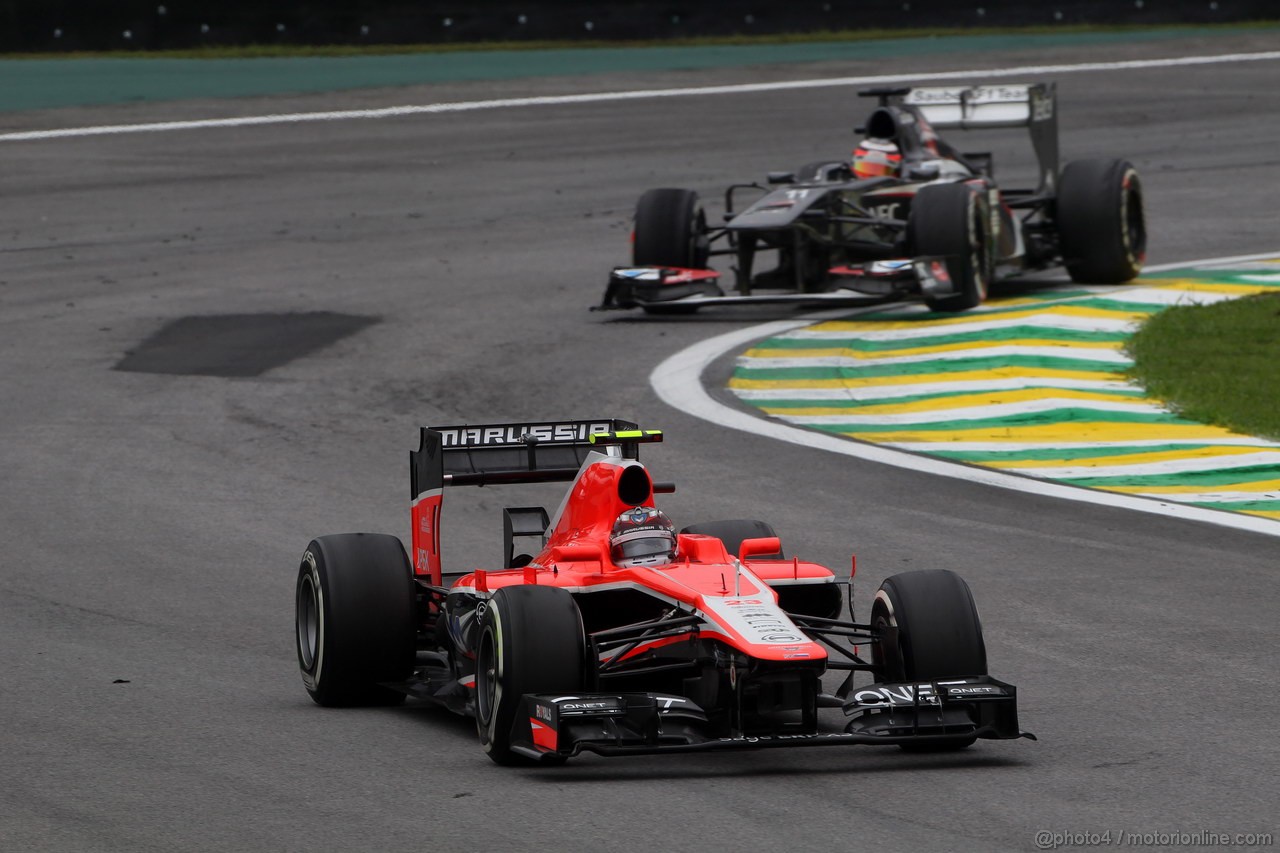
[{"x": 647, "y": 546}]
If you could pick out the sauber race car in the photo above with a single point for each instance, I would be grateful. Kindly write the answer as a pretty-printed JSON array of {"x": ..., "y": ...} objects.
[
  {"x": 617, "y": 635},
  {"x": 909, "y": 216}
]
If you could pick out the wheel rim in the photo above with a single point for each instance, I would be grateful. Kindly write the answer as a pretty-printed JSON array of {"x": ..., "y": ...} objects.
[
  {"x": 979, "y": 251},
  {"x": 1135, "y": 230},
  {"x": 486, "y": 678},
  {"x": 699, "y": 245},
  {"x": 882, "y": 618},
  {"x": 878, "y": 624},
  {"x": 308, "y": 622}
]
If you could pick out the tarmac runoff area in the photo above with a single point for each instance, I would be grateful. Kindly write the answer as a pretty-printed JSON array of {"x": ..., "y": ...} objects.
[{"x": 1032, "y": 385}]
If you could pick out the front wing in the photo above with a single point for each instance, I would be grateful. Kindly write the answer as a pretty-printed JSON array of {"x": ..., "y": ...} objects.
[
  {"x": 647, "y": 723},
  {"x": 672, "y": 288}
]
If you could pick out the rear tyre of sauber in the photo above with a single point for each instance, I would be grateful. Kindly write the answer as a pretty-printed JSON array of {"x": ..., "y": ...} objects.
[
  {"x": 939, "y": 634},
  {"x": 353, "y": 619},
  {"x": 951, "y": 220},
  {"x": 1101, "y": 224},
  {"x": 531, "y": 641}
]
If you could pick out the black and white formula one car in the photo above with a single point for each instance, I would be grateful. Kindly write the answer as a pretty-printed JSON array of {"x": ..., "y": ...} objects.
[
  {"x": 909, "y": 217},
  {"x": 615, "y": 634}
]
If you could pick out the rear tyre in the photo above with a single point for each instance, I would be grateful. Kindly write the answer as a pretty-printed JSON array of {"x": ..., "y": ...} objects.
[
  {"x": 670, "y": 230},
  {"x": 804, "y": 599},
  {"x": 951, "y": 220},
  {"x": 939, "y": 634},
  {"x": 353, "y": 619},
  {"x": 531, "y": 641},
  {"x": 1101, "y": 224},
  {"x": 733, "y": 531}
]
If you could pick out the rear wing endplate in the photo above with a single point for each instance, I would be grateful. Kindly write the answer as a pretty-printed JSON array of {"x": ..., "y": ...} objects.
[{"x": 1030, "y": 105}]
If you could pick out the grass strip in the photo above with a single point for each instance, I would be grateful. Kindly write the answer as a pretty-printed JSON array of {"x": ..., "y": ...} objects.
[{"x": 1217, "y": 364}]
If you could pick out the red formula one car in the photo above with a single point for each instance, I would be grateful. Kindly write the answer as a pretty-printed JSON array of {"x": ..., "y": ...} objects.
[{"x": 619, "y": 636}]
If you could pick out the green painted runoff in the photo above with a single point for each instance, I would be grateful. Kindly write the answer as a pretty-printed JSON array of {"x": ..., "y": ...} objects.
[{"x": 42, "y": 83}]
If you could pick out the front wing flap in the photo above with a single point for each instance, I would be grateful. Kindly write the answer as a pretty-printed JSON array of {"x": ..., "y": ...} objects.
[
  {"x": 926, "y": 274},
  {"x": 631, "y": 287},
  {"x": 856, "y": 285},
  {"x": 646, "y": 723},
  {"x": 899, "y": 713}
]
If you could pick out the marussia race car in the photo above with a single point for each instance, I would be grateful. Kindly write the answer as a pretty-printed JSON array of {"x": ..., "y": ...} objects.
[
  {"x": 939, "y": 229},
  {"x": 564, "y": 650}
]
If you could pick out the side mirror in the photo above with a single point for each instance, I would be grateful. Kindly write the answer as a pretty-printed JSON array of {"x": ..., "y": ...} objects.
[
  {"x": 981, "y": 162},
  {"x": 579, "y": 553},
  {"x": 781, "y": 177},
  {"x": 519, "y": 521},
  {"x": 766, "y": 547}
]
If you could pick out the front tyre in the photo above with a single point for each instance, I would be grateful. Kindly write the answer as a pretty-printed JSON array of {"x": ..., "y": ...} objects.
[
  {"x": 938, "y": 634},
  {"x": 1101, "y": 223},
  {"x": 951, "y": 220},
  {"x": 531, "y": 641},
  {"x": 670, "y": 230},
  {"x": 353, "y": 619}
]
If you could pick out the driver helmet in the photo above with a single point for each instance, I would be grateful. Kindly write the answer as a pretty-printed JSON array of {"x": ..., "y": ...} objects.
[
  {"x": 642, "y": 536},
  {"x": 874, "y": 158}
]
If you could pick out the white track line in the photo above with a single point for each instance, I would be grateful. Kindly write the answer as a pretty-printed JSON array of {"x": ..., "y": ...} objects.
[
  {"x": 597, "y": 97},
  {"x": 678, "y": 383}
]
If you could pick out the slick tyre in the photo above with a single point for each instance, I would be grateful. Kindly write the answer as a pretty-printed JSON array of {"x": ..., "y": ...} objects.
[
  {"x": 815, "y": 599},
  {"x": 531, "y": 641},
  {"x": 670, "y": 230},
  {"x": 353, "y": 619},
  {"x": 1101, "y": 224},
  {"x": 939, "y": 635},
  {"x": 951, "y": 220},
  {"x": 733, "y": 531}
]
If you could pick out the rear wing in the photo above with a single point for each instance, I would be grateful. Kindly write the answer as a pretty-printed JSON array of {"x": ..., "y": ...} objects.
[
  {"x": 966, "y": 107},
  {"x": 491, "y": 454},
  {"x": 1029, "y": 105}
]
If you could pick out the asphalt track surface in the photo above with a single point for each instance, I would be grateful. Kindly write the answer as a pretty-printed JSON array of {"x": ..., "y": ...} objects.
[{"x": 153, "y": 523}]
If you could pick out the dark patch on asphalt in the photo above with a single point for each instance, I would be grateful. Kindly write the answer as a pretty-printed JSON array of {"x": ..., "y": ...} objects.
[{"x": 239, "y": 344}]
